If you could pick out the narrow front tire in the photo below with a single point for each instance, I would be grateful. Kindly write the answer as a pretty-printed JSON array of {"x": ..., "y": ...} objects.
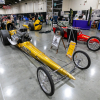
[{"x": 45, "y": 81}]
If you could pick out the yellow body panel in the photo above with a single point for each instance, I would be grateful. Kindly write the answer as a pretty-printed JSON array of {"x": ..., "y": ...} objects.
[
  {"x": 12, "y": 32},
  {"x": 36, "y": 28},
  {"x": 37, "y": 54},
  {"x": 26, "y": 26}
]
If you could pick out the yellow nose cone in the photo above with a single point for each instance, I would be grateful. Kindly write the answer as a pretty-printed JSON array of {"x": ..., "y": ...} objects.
[{"x": 71, "y": 77}]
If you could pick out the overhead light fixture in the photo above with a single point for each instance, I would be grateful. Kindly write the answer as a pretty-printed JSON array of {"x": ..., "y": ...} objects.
[
  {"x": 19, "y": 0},
  {"x": 15, "y": 2}
]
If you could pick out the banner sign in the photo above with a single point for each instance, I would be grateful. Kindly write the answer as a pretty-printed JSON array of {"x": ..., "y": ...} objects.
[
  {"x": 6, "y": 7},
  {"x": 62, "y": 13},
  {"x": 56, "y": 41},
  {"x": 2, "y": 1},
  {"x": 71, "y": 49}
]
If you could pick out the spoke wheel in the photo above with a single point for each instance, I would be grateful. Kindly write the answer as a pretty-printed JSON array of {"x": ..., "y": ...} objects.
[
  {"x": 93, "y": 43},
  {"x": 57, "y": 32},
  {"x": 45, "y": 81},
  {"x": 81, "y": 60}
]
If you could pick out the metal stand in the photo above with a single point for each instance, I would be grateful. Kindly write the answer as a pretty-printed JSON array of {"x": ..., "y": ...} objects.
[
  {"x": 71, "y": 32},
  {"x": 64, "y": 77}
]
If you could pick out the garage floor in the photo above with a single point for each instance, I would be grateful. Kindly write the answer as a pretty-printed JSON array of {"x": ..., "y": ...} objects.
[{"x": 18, "y": 72}]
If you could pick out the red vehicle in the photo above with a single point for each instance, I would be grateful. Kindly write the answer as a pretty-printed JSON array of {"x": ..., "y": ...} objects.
[{"x": 93, "y": 43}]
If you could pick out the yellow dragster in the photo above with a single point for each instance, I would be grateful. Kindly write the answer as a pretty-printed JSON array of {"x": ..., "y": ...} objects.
[
  {"x": 21, "y": 38},
  {"x": 36, "y": 26}
]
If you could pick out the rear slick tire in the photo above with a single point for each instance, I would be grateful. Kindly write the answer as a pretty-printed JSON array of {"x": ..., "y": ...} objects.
[
  {"x": 4, "y": 35},
  {"x": 31, "y": 26}
]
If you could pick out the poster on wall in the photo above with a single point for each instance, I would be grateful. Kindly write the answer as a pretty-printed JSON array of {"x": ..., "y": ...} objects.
[
  {"x": 2, "y": 1},
  {"x": 6, "y": 7},
  {"x": 79, "y": 12},
  {"x": 66, "y": 14}
]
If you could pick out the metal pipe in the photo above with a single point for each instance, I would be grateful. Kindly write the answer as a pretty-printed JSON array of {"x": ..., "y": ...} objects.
[{"x": 52, "y": 8}]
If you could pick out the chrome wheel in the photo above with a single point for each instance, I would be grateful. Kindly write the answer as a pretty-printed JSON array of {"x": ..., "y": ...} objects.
[
  {"x": 57, "y": 32},
  {"x": 81, "y": 60},
  {"x": 45, "y": 81},
  {"x": 93, "y": 43}
]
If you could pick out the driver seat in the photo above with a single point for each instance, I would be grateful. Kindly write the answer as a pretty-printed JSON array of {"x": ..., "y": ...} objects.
[{"x": 10, "y": 26}]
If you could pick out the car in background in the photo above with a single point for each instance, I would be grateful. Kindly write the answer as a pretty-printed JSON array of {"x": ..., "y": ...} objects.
[
  {"x": 95, "y": 15},
  {"x": 93, "y": 43}
]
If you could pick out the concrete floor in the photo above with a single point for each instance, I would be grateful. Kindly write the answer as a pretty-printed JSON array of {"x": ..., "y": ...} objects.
[{"x": 18, "y": 78}]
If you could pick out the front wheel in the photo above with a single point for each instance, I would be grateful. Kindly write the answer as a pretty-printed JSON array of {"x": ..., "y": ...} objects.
[
  {"x": 45, "y": 81},
  {"x": 81, "y": 60},
  {"x": 93, "y": 43}
]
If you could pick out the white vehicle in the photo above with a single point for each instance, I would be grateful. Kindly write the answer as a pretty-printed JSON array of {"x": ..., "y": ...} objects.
[{"x": 95, "y": 15}]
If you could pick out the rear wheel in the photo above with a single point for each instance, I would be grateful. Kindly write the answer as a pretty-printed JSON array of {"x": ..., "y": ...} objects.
[
  {"x": 0, "y": 33},
  {"x": 4, "y": 35},
  {"x": 59, "y": 30},
  {"x": 31, "y": 26},
  {"x": 41, "y": 28},
  {"x": 45, "y": 81},
  {"x": 93, "y": 43},
  {"x": 81, "y": 60}
]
